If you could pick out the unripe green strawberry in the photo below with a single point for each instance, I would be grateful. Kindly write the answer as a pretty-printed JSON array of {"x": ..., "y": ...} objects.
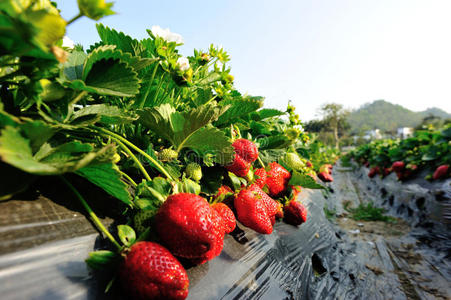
[
  {"x": 142, "y": 219},
  {"x": 116, "y": 158},
  {"x": 294, "y": 161},
  {"x": 194, "y": 171},
  {"x": 167, "y": 155},
  {"x": 95, "y": 9}
]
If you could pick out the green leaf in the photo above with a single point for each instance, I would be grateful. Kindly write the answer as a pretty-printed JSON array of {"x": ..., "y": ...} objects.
[
  {"x": 110, "y": 77},
  {"x": 108, "y": 114},
  {"x": 158, "y": 188},
  {"x": 236, "y": 181},
  {"x": 73, "y": 67},
  {"x": 238, "y": 107},
  {"x": 16, "y": 150},
  {"x": 177, "y": 127},
  {"x": 304, "y": 181},
  {"x": 151, "y": 194},
  {"x": 38, "y": 132},
  {"x": 201, "y": 95},
  {"x": 108, "y": 178},
  {"x": 446, "y": 132},
  {"x": 108, "y": 52},
  {"x": 210, "y": 141},
  {"x": 110, "y": 36},
  {"x": 126, "y": 234},
  {"x": 104, "y": 71},
  {"x": 273, "y": 142},
  {"x": 212, "y": 77},
  {"x": 98, "y": 260},
  {"x": 266, "y": 113},
  {"x": 187, "y": 186}
]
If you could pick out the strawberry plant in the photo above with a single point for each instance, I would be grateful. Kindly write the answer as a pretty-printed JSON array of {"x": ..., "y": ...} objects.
[
  {"x": 427, "y": 150},
  {"x": 160, "y": 132}
]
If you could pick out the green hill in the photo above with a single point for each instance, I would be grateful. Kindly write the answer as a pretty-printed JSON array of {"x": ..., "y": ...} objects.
[
  {"x": 388, "y": 116},
  {"x": 436, "y": 112}
]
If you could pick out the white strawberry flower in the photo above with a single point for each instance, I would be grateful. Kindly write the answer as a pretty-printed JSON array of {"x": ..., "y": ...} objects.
[
  {"x": 67, "y": 42},
  {"x": 183, "y": 63},
  {"x": 166, "y": 34}
]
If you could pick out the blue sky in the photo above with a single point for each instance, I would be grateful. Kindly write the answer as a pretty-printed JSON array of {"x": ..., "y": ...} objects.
[{"x": 312, "y": 52}]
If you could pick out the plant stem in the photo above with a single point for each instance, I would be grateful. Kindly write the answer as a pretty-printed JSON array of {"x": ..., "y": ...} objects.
[
  {"x": 261, "y": 162},
  {"x": 78, "y": 97},
  {"x": 158, "y": 89},
  {"x": 143, "y": 100},
  {"x": 74, "y": 19},
  {"x": 135, "y": 159},
  {"x": 71, "y": 105},
  {"x": 128, "y": 178},
  {"x": 166, "y": 90},
  {"x": 126, "y": 142},
  {"x": 91, "y": 214},
  {"x": 211, "y": 99}
]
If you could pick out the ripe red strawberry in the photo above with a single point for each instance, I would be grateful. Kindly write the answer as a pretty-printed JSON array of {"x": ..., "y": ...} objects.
[
  {"x": 189, "y": 227},
  {"x": 440, "y": 172},
  {"x": 252, "y": 212},
  {"x": 398, "y": 166},
  {"x": 239, "y": 166},
  {"x": 261, "y": 181},
  {"x": 325, "y": 176},
  {"x": 246, "y": 149},
  {"x": 272, "y": 206},
  {"x": 387, "y": 171},
  {"x": 273, "y": 220},
  {"x": 295, "y": 213},
  {"x": 227, "y": 216},
  {"x": 309, "y": 164},
  {"x": 277, "y": 179},
  {"x": 412, "y": 167},
  {"x": 218, "y": 243},
  {"x": 149, "y": 271},
  {"x": 373, "y": 172}
]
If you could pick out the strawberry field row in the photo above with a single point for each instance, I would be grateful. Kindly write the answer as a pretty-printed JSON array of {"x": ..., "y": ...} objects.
[{"x": 426, "y": 150}]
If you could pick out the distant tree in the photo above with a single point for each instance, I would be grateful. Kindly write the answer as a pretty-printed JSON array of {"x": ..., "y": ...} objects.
[
  {"x": 315, "y": 126},
  {"x": 432, "y": 121},
  {"x": 334, "y": 117}
]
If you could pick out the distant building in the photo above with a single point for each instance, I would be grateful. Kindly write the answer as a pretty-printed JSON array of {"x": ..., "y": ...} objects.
[
  {"x": 404, "y": 132},
  {"x": 374, "y": 134}
]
